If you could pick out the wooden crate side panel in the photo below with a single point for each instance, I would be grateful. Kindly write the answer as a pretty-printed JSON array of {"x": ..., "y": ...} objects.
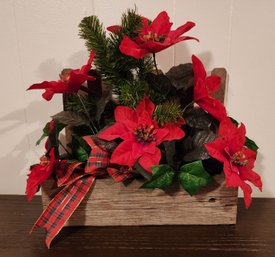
[{"x": 111, "y": 204}]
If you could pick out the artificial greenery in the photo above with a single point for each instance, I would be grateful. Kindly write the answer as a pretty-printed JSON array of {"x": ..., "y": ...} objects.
[
  {"x": 168, "y": 112},
  {"x": 118, "y": 70},
  {"x": 74, "y": 104}
]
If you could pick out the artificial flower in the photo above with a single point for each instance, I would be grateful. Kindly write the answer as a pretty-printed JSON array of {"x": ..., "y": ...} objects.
[
  {"x": 140, "y": 134},
  {"x": 68, "y": 83},
  {"x": 114, "y": 29},
  {"x": 51, "y": 127},
  {"x": 238, "y": 160},
  {"x": 40, "y": 173},
  {"x": 154, "y": 37},
  {"x": 205, "y": 85}
]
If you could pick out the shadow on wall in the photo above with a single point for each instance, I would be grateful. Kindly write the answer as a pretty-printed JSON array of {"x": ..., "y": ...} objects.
[
  {"x": 259, "y": 168},
  {"x": 21, "y": 128},
  {"x": 21, "y": 134},
  {"x": 50, "y": 69},
  {"x": 183, "y": 54}
]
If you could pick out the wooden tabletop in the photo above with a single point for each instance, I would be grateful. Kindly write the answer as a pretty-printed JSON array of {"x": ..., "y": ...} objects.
[{"x": 254, "y": 235}]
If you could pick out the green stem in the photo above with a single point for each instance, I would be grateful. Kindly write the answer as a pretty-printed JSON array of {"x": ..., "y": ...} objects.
[
  {"x": 155, "y": 63},
  {"x": 92, "y": 126}
]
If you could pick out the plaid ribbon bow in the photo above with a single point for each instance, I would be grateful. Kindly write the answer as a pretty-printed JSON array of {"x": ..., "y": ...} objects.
[{"x": 77, "y": 181}]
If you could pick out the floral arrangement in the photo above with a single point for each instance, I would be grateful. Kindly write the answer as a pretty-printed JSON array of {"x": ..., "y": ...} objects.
[{"x": 127, "y": 119}]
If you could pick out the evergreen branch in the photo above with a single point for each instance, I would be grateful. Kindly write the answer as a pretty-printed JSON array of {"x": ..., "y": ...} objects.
[
  {"x": 131, "y": 94},
  {"x": 117, "y": 69},
  {"x": 74, "y": 104},
  {"x": 168, "y": 112},
  {"x": 92, "y": 31}
]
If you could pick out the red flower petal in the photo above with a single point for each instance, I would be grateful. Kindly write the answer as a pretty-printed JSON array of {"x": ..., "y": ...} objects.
[
  {"x": 114, "y": 131},
  {"x": 199, "y": 71},
  {"x": 131, "y": 48},
  {"x": 114, "y": 29},
  {"x": 148, "y": 160},
  {"x": 161, "y": 24},
  {"x": 235, "y": 136},
  {"x": 38, "y": 174},
  {"x": 127, "y": 116},
  {"x": 251, "y": 176},
  {"x": 140, "y": 148},
  {"x": 212, "y": 83},
  {"x": 48, "y": 94},
  {"x": 179, "y": 39},
  {"x": 216, "y": 149},
  {"x": 87, "y": 67},
  {"x": 247, "y": 191},
  {"x": 161, "y": 135},
  {"x": 123, "y": 154},
  {"x": 174, "y": 132},
  {"x": 200, "y": 91},
  {"x": 76, "y": 79},
  {"x": 213, "y": 107},
  {"x": 145, "y": 105},
  {"x": 180, "y": 30},
  {"x": 43, "y": 85},
  {"x": 250, "y": 156}
]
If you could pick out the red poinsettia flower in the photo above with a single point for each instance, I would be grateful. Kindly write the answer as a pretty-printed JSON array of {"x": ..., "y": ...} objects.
[
  {"x": 238, "y": 160},
  {"x": 141, "y": 135},
  {"x": 70, "y": 83},
  {"x": 205, "y": 85},
  {"x": 39, "y": 173},
  {"x": 155, "y": 37},
  {"x": 114, "y": 29}
]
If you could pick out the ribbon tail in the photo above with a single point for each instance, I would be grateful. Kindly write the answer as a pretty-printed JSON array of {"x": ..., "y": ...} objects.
[{"x": 62, "y": 206}]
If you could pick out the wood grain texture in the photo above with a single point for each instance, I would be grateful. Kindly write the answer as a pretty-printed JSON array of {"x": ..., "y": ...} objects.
[
  {"x": 220, "y": 93},
  {"x": 111, "y": 204},
  {"x": 252, "y": 236},
  {"x": 107, "y": 202}
]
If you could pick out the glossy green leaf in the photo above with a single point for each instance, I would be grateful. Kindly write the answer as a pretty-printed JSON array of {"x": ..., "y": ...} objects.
[
  {"x": 193, "y": 176},
  {"x": 162, "y": 177},
  {"x": 46, "y": 131},
  {"x": 80, "y": 149},
  {"x": 251, "y": 144}
]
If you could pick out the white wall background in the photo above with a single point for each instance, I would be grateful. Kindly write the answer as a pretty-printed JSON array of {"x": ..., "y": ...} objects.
[{"x": 40, "y": 37}]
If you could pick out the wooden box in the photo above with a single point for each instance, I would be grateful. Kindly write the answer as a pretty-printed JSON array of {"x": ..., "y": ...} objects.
[{"x": 110, "y": 204}]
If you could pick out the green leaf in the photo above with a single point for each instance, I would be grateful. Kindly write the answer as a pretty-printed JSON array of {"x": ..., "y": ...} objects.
[
  {"x": 193, "y": 176},
  {"x": 236, "y": 123},
  {"x": 251, "y": 144},
  {"x": 46, "y": 131},
  {"x": 162, "y": 177},
  {"x": 80, "y": 149}
]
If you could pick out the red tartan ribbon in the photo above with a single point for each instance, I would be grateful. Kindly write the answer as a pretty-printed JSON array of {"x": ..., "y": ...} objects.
[{"x": 77, "y": 181}]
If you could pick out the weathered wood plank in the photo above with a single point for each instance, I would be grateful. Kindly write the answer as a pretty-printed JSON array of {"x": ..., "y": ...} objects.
[
  {"x": 111, "y": 204},
  {"x": 221, "y": 92}
]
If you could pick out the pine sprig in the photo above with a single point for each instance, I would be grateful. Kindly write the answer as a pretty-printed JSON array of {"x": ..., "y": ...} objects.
[
  {"x": 93, "y": 32},
  {"x": 74, "y": 104},
  {"x": 132, "y": 93},
  {"x": 168, "y": 112},
  {"x": 117, "y": 69}
]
